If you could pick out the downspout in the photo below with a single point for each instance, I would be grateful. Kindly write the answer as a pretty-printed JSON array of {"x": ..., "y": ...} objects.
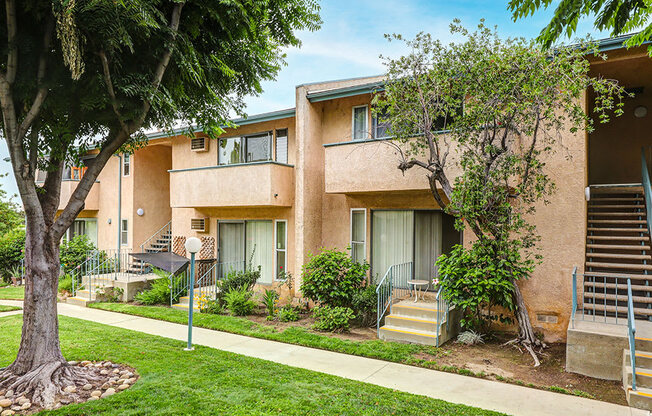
[{"x": 119, "y": 208}]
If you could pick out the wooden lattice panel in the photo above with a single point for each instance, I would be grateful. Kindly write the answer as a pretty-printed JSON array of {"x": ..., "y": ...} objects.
[
  {"x": 178, "y": 245},
  {"x": 207, "y": 248}
]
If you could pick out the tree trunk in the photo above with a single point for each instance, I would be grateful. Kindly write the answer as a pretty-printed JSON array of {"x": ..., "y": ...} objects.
[
  {"x": 40, "y": 372},
  {"x": 526, "y": 336}
]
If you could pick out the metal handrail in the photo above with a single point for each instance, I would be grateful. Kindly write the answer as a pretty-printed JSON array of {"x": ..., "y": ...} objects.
[
  {"x": 631, "y": 327},
  {"x": 647, "y": 190},
  {"x": 166, "y": 227},
  {"x": 91, "y": 258},
  {"x": 395, "y": 279},
  {"x": 383, "y": 297},
  {"x": 574, "y": 297}
]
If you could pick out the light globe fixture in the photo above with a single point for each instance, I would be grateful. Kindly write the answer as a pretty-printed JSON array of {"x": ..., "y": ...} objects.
[
  {"x": 640, "y": 111},
  {"x": 192, "y": 245}
]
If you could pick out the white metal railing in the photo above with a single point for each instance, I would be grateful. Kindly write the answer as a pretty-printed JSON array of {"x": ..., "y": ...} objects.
[
  {"x": 393, "y": 284},
  {"x": 165, "y": 230}
]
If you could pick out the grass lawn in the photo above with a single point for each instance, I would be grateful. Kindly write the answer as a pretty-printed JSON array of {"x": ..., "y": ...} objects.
[
  {"x": 4, "y": 308},
  {"x": 388, "y": 351},
  {"x": 12, "y": 292},
  {"x": 209, "y": 381}
]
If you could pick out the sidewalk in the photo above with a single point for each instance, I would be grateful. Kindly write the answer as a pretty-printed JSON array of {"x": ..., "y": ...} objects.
[{"x": 486, "y": 394}]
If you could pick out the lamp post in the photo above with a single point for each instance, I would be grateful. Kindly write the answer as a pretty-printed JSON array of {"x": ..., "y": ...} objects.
[{"x": 193, "y": 245}]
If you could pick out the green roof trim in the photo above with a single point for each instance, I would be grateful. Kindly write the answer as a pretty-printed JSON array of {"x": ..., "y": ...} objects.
[
  {"x": 372, "y": 87},
  {"x": 256, "y": 118}
]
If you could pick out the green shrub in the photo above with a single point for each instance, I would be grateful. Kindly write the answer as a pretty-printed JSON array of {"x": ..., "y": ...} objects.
[
  {"x": 212, "y": 306},
  {"x": 478, "y": 279},
  {"x": 159, "y": 290},
  {"x": 65, "y": 284},
  {"x": 365, "y": 304},
  {"x": 287, "y": 313},
  {"x": 270, "y": 299},
  {"x": 332, "y": 277},
  {"x": 237, "y": 280},
  {"x": 12, "y": 245},
  {"x": 109, "y": 294},
  {"x": 333, "y": 319},
  {"x": 74, "y": 252},
  {"x": 239, "y": 302}
]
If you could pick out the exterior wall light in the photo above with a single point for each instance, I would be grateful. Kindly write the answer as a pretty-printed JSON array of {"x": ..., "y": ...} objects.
[
  {"x": 108, "y": 221},
  {"x": 140, "y": 212},
  {"x": 640, "y": 111}
]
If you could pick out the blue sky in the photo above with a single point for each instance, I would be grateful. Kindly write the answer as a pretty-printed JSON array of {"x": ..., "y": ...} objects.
[{"x": 351, "y": 40}]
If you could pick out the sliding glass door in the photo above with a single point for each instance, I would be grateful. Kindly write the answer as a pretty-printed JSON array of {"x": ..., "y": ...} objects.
[
  {"x": 231, "y": 245},
  {"x": 406, "y": 236},
  {"x": 392, "y": 240},
  {"x": 260, "y": 248}
]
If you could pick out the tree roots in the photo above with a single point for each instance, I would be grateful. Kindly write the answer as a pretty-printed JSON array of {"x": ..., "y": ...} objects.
[{"x": 45, "y": 382}]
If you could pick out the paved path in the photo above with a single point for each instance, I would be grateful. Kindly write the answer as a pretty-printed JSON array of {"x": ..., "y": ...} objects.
[{"x": 486, "y": 394}]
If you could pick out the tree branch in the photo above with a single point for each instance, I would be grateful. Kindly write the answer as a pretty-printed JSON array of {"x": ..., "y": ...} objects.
[
  {"x": 111, "y": 91},
  {"x": 12, "y": 55}
]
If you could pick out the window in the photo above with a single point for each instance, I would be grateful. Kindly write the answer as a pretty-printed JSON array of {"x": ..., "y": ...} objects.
[
  {"x": 281, "y": 249},
  {"x": 259, "y": 147},
  {"x": 124, "y": 232},
  {"x": 254, "y": 148},
  {"x": 282, "y": 146},
  {"x": 380, "y": 125},
  {"x": 83, "y": 226},
  {"x": 360, "y": 123},
  {"x": 230, "y": 151},
  {"x": 358, "y": 234},
  {"x": 126, "y": 164}
]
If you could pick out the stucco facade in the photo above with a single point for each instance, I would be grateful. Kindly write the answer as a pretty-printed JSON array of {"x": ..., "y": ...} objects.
[{"x": 326, "y": 175}]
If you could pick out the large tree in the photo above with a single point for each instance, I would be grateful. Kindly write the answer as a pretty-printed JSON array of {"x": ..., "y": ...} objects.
[
  {"x": 481, "y": 117},
  {"x": 82, "y": 74},
  {"x": 616, "y": 16},
  {"x": 11, "y": 216}
]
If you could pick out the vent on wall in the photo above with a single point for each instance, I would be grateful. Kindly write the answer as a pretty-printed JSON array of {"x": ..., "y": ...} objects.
[
  {"x": 199, "y": 225},
  {"x": 199, "y": 144}
]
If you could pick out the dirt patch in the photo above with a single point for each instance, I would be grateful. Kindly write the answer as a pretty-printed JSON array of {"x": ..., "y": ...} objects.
[{"x": 506, "y": 363}]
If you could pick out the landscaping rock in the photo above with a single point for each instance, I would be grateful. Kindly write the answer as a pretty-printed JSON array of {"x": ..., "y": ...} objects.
[
  {"x": 65, "y": 401},
  {"x": 85, "y": 363},
  {"x": 26, "y": 406},
  {"x": 98, "y": 365},
  {"x": 107, "y": 364},
  {"x": 73, "y": 362},
  {"x": 7, "y": 412},
  {"x": 22, "y": 400},
  {"x": 108, "y": 392},
  {"x": 105, "y": 386},
  {"x": 87, "y": 386},
  {"x": 70, "y": 389},
  {"x": 93, "y": 398},
  {"x": 123, "y": 386},
  {"x": 16, "y": 408},
  {"x": 96, "y": 393},
  {"x": 9, "y": 393},
  {"x": 5, "y": 402},
  {"x": 104, "y": 372},
  {"x": 116, "y": 371}
]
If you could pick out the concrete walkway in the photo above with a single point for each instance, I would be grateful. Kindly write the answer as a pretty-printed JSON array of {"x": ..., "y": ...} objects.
[{"x": 486, "y": 394}]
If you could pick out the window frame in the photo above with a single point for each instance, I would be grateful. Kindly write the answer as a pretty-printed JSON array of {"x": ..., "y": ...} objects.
[
  {"x": 124, "y": 241},
  {"x": 351, "y": 242},
  {"x": 287, "y": 145},
  {"x": 276, "y": 249},
  {"x": 243, "y": 147},
  {"x": 374, "y": 128},
  {"x": 366, "y": 122},
  {"x": 126, "y": 162},
  {"x": 270, "y": 139}
]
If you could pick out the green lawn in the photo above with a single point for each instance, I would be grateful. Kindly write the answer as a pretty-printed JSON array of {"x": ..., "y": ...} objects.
[
  {"x": 12, "y": 292},
  {"x": 388, "y": 351},
  {"x": 210, "y": 382},
  {"x": 4, "y": 308}
]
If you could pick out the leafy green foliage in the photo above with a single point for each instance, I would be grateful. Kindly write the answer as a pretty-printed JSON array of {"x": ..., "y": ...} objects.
[
  {"x": 12, "y": 246},
  {"x": 237, "y": 280},
  {"x": 270, "y": 300},
  {"x": 238, "y": 302},
  {"x": 65, "y": 284},
  {"x": 287, "y": 313},
  {"x": 212, "y": 306},
  {"x": 74, "y": 252},
  {"x": 478, "y": 279},
  {"x": 11, "y": 216},
  {"x": 333, "y": 319},
  {"x": 365, "y": 304},
  {"x": 332, "y": 278},
  {"x": 159, "y": 290},
  {"x": 617, "y": 17}
]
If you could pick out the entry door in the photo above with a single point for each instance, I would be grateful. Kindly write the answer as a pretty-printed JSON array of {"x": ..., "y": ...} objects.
[
  {"x": 427, "y": 243},
  {"x": 392, "y": 241},
  {"x": 260, "y": 248},
  {"x": 231, "y": 247}
]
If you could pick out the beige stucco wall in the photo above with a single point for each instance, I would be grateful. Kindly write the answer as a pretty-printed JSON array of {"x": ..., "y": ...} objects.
[
  {"x": 260, "y": 184},
  {"x": 92, "y": 202}
]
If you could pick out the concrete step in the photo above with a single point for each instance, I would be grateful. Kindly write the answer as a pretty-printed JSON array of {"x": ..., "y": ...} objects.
[
  {"x": 638, "y": 238},
  {"x": 400, "y": 334},
  {"x": 639, "y": 399},
  {"x": 643, "y": 343},
  {"x": 621, "y": 298},
  {"x": 643, "y": 377},
  {"x": 620, "y": 286},
  {"x": 617, "y": 229},
  {"x": 617, "y": 189},
  {"x": 600, "y": 308},
  {"x": 183, "y": 307},
  {"x": 618, "y": 266},
  {"x": 410, "y": 323},
  {"x": 618, "y": 222},
  {"x": 598, "y": 200},
  {"x": 633, "y": 276},
  {"x": 416, "y": 310},
  {"x": 78, "y": 301},
  {"x": 617, "y": 206},
  {"x": 643, "y": 358}
]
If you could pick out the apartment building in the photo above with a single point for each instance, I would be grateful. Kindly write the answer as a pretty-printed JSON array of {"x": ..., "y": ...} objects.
[{"x": 287, "y": 183}]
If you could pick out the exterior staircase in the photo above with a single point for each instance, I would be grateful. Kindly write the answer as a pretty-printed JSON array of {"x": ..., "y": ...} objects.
[
  {"x": 159, "y": 242},
  {"x": 417, "y": 322},
  {"x": 618, "y": 245},
  {"x": 641, "y": 398},
  {"x": 199, "y": 293}
]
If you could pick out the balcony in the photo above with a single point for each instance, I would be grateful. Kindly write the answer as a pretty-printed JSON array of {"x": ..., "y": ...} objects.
[
  {"x": 92, "y": 202},
  {"x": 257, "y": 184},
  {"x": 370, "y": 166}
]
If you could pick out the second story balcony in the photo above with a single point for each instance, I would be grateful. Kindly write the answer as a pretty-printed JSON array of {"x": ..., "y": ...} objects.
[{"x": 256, "y": 184}]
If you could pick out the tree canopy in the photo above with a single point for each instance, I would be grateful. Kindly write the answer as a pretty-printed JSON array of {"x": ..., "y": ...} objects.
[
  {"x": 618, "y": 17},
  {"x": 481, "y": 117}
]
